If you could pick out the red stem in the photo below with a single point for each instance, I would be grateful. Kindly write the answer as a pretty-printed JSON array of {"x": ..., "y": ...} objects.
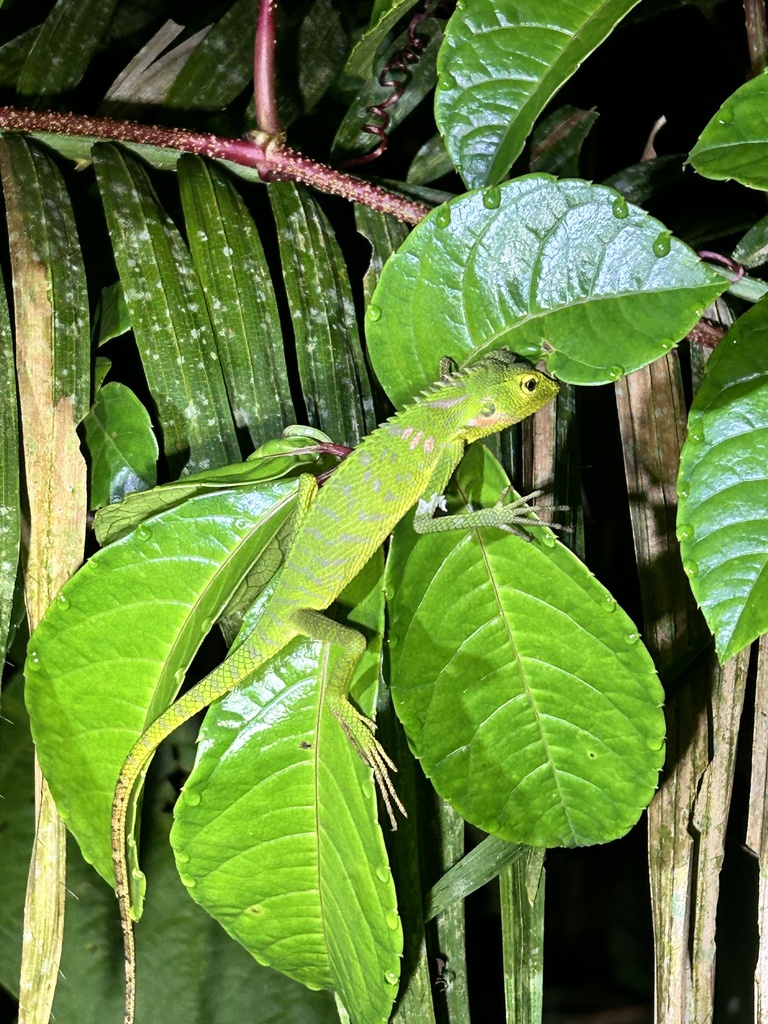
[
  {"x": 270, "y": 158},
  {"x": 264, "y": 70}
]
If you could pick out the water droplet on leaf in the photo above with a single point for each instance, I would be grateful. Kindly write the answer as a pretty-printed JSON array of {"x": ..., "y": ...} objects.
[
  {"x": 662, "y": 244},
  {"x": 620, "y": 208},
  {"x": 62, "y": 601},
  {"x": 443, "y": 216},
  {"x": 616, "y": 372},
  {"x": 374, "y": 313},
  {"x": 391, "y": 977},
  {"x": 242, "y": 524},
  {"x": 188, "y": 882},
  {"x": 33, "y": 660},
  {"x": 393, "y": 919},
  {"x": 690, "y": 569},
  {"x": 684, "y": 492},
  {"x": 685, "y": 532},
  {"x": 610, "y": 603},
  {"x": 492, "y": 198},
  {"x": 192, "y": 798},
  {"x": 182, "y": 857},
  {"x": 383, "y": 873},
  {"x": 143, "y": 532},
  {"x": 696, "y": 435},
  {"x": 632, "y": 637}
]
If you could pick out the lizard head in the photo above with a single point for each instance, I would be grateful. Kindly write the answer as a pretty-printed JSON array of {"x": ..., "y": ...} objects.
[{"x": 502, "y": 389}]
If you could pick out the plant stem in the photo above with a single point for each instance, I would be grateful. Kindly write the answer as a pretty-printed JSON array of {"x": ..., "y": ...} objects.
[
  {"x": 757, "y": 34},
  {"x": 264, "y": 70},
  {"x": 267, "y": 155}
]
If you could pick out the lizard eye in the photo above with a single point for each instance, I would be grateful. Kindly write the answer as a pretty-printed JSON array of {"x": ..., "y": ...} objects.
[{"x": 529, "y": 383}]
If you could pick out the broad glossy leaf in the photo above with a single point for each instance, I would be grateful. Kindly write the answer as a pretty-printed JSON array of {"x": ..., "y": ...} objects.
[
  {"x": 168, "y": 316},
  {"x": 112, "y": 650},
  {"x": 230, "y": 262},
  {"x": 276, "y": 832},
  {"x": 722, "y": 520},
  {"x": 334, "y": 378},
  {"x": 524, "y": 690},
  {"x": 188, "y": 968},
  {"x": 735, "y": 142},
  {"x": 121, "y": 443},
  {"x": 501, "y": 63},
  {"x": 561, "y": 269}
]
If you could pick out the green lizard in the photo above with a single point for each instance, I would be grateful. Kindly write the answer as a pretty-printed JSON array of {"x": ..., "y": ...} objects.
[{"x": 334, "y": 533}]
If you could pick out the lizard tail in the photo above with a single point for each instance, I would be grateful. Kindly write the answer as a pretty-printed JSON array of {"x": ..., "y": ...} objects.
[{"x": 244, "y": 661}]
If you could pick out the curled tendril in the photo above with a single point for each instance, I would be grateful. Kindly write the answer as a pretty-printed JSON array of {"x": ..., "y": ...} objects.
[{"x": 394, "y": 76}]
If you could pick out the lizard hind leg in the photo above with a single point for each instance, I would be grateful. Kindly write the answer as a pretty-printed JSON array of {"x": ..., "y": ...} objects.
[{"x": 359, "y": 729}]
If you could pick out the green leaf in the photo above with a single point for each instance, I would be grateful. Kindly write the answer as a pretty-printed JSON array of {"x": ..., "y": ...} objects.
[
  {"x": 385, "y": 234},
  {"x": 122, "y": 446},
  {"x": 640, "y": 182},
  {"x": 188, "y": 968},
  {"x": 735, "y": 142},
  {"x": 417, "y": 83},
  {"x": 65, "y": 46},
  {"x": 431, "y": 162},
  {"x": 284, "y": 457},
  {"x": 723, "y": 487},
  {"x": 221, "y": 65},
  {"x": 501, "y": 63},
  {"x": 524, "y": 690},
  {"x": 112, "y": 316},
  {"x": 112, "y": 650},
  {"x": 556, "y": 143},
  {"x": 752, "y": 249},
  {"x": 384, "y": 17},
  {"x": 230, "y": 262},
  {"x": 565, "y": 270},
  {"x": 276, "y": 831},
  {"x": 10, "y": 514},
  {"x": 279, "y": 840},
  {"x": 169, "y": 317},
  {"x": 334, "y": 378},
  {"x": 322, "y": 51}
]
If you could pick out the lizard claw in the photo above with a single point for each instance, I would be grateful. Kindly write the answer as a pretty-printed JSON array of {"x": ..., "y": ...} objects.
[{"x": 373, "y": 754}]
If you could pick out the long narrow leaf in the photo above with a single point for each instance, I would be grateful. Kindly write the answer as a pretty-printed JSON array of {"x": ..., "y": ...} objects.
[
  {"x": 169, "y": 318},
  {"x": 334, "y": 378},
  {"x": 230, "y": 262},
  {"x": 52, "y": 339},
  {"x": 65, "y": 46},
  {"x": 10, "y": 513}
]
